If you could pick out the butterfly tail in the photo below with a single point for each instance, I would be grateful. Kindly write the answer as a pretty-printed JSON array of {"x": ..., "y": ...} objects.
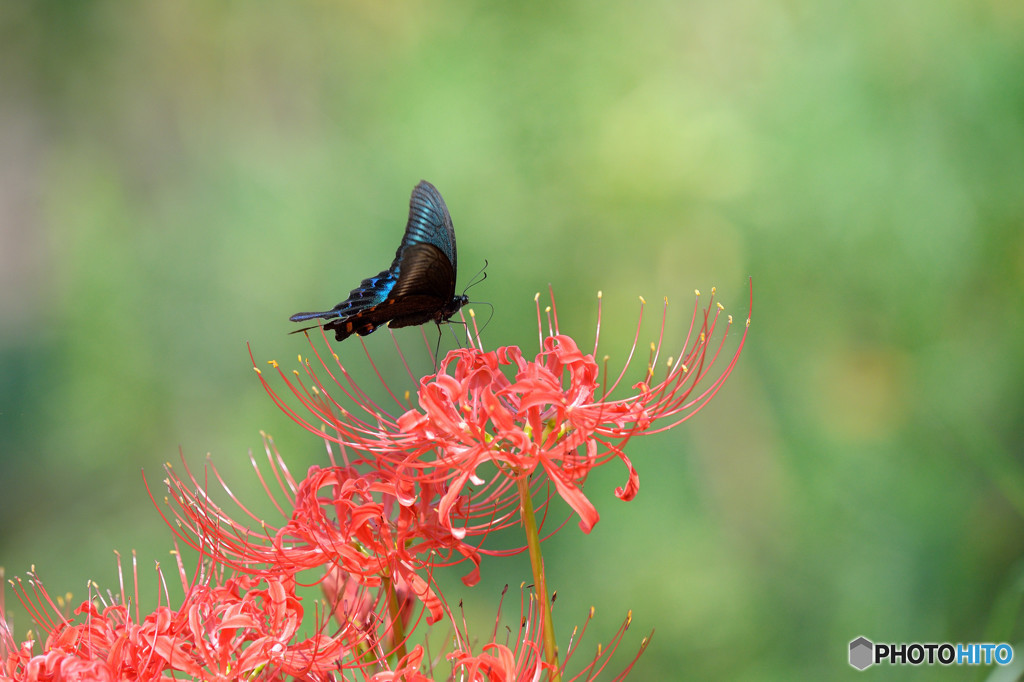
[{"x": 301, "y": 317}]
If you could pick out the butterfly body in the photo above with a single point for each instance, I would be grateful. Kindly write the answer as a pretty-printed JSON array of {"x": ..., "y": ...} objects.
[{"x": 419, "y": 286}]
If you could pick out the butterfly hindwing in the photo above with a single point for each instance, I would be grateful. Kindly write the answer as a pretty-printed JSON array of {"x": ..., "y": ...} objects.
[
  {"x": 425, "y": 286},
  {"x": 361, "y": 323},
  {"x": 371, "y": 292},
  {"x": 420, "y": 284}
]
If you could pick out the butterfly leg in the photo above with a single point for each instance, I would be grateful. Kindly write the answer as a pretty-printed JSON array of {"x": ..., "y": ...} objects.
[{"x": 437, "y": 348}]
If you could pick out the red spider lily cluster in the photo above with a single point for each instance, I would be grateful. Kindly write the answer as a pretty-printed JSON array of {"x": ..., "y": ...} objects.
[
  {"x": 491, "y": 439},
  {"x": 499, "y": 409},
  {"x": 227, "y": 628},
  {"x": 242, "y": 628}
]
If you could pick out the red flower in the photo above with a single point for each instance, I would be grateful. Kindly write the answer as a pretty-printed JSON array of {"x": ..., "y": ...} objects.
[
  {"x": 546, "y": 417},
  {"x": 226, "y": 629},
  {"x": 102, "y": 643},
  {"x": 518, "y": 654},
  {"x": 361, "y": 525}
]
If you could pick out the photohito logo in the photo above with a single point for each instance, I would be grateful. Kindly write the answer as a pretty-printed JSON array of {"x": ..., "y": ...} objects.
[{"x": 864, "y": 653}]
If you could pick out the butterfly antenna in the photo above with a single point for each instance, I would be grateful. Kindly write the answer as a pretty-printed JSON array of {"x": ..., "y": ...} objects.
[{"x": 481, "y": 273}]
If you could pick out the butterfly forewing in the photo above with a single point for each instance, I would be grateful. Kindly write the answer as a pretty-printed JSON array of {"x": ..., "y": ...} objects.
[{"x": 429, "y": 223}]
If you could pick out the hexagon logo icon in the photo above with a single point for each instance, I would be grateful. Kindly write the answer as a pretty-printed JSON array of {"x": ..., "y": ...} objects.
[{"x": 861, "y": 653}]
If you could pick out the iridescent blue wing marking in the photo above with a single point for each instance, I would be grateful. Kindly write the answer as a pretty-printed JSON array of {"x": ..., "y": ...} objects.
[
  {"x": 429, "y": 223},
  {"x": 418, "y": 287},
  {"x": 371, "y": 292}
]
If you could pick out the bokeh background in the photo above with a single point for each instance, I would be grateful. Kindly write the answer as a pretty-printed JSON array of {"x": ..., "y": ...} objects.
[{"x": 177, "y": 178}]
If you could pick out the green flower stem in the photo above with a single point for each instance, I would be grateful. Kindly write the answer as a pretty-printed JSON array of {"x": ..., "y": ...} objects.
[
  {"x": 539, "y": 580},
  {"x": 397, "y": 627}
]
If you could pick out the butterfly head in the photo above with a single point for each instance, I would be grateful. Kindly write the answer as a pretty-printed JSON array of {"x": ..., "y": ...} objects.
[{"x": 454, "y": 306}]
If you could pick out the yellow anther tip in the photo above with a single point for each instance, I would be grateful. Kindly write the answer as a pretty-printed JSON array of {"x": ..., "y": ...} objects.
[
  {"x": 600, "y": 294},
  {"x": 642, "y": 299},
  {"x": 697, "y": 292},
  {"x": 536, "y": 296},
  {"x": 720, "y": 306},
  {"x": 257, "y": 370}
]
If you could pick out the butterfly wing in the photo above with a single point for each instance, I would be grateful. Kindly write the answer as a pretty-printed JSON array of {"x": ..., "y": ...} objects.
[
  {"x": 425, "y": 285},
  {"x": 361, "y": 302},
  {"x": 371, "y": 291},
  {"x": 429, "y": 223}
]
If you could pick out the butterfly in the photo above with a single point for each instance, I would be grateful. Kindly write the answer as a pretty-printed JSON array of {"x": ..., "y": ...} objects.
[{"x": 417, "y": 288}]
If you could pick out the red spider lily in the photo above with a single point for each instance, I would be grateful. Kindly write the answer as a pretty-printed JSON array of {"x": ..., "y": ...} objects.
[
  {"x": 520, "y": 657},
  {"x": 364, "y": 527},
  {"x": 498, "y": 409},
  {"x": 226, "y": 629},
  {"x": 105, "y": 643},
  {"x": 545, "y": 417}
]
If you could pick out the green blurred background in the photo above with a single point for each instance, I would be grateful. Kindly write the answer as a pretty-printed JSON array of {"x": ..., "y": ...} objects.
[{"x": 176, "y": 178}]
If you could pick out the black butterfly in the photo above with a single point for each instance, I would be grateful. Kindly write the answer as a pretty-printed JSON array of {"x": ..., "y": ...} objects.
[{"x": 418, "y": 287}]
